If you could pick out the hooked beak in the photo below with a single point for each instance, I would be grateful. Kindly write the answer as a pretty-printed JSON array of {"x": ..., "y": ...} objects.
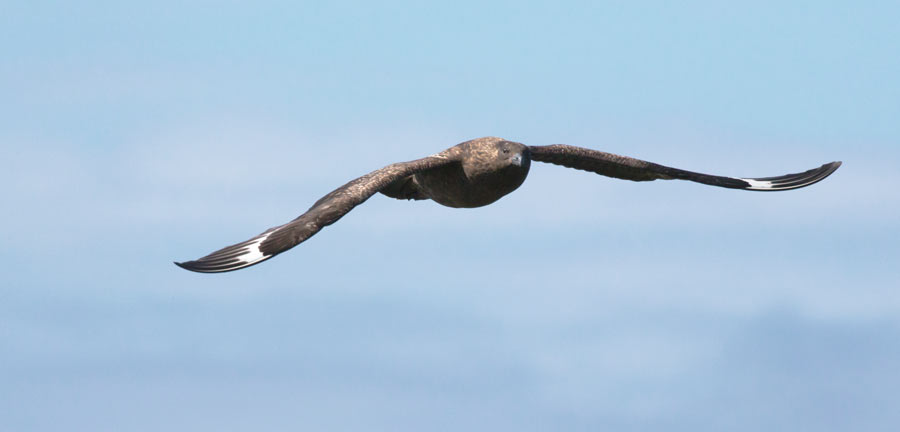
[{"x": 516, "y": 160}]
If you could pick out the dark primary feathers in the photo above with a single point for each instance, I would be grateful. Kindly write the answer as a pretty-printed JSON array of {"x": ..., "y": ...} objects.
[{"x": 471, "y": 174}]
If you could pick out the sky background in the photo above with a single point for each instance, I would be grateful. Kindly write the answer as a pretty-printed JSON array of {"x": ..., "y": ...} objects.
[{"x": 132, "y": 135}]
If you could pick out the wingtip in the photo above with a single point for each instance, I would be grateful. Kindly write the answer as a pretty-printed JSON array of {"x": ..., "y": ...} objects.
[
  {"x": 792, "y": 181},
  {"x": 831, "y": 167},
  {"x": 196, "y": 267}
]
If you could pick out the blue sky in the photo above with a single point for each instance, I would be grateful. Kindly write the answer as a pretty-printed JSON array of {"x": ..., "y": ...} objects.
[{"x": 135, "y": 135}]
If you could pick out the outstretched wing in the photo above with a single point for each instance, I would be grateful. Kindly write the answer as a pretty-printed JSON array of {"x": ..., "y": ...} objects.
[
  {"x": 627, "y": 168},
  {"x": 324, "y": 212}
]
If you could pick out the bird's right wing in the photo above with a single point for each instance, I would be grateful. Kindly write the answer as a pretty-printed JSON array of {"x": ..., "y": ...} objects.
[
  {"x": 627, "y": 168},
  {"x": 324, "y": 212}
]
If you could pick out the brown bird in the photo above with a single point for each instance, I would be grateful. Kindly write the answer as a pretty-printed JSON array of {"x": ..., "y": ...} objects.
[{"x": 470, "y": 174}]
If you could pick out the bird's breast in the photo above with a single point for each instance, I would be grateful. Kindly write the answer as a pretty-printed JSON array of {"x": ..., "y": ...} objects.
[{"x": 452, "y": 187}]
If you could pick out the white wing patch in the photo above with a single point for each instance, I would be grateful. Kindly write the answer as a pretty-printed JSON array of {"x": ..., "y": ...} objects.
[
  {"x": 252, "y": 253},
  {"x": 758, "y": 184},
  {"x": 231, "y": 258}
]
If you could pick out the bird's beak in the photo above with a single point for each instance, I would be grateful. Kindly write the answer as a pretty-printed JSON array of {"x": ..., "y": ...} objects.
[{"x": 516, "y": 160}]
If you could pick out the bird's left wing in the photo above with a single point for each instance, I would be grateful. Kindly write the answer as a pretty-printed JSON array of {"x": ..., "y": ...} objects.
[
  {"x": 324, "y": 212},
  {"x": 628, "y": 168}
]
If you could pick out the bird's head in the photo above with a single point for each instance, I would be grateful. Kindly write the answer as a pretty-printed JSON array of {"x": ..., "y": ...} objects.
[
  {"x": 495, "y": 158},
  {"x": 501, "y": 153}
]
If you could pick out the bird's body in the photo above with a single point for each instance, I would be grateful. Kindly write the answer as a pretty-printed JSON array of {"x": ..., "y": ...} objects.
[
  {"x": 487, "y": 169},
  {"x": 471, "y": 174}
]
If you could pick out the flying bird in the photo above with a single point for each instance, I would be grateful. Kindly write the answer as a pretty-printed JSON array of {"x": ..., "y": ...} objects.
[{"x": 470, "y": 174}]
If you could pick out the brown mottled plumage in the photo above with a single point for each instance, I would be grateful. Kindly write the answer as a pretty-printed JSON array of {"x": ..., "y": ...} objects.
[{"x": 471, "y": 174}]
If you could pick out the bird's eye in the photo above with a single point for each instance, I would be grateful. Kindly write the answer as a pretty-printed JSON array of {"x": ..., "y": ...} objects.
[{"x": 506, "y": 150}]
